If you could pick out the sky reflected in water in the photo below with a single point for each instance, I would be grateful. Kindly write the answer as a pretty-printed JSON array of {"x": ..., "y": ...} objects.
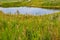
[{"x": 28, "y": 10}]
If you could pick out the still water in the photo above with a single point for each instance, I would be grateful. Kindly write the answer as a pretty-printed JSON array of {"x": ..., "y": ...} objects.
[{"x": 28, "y": 10}]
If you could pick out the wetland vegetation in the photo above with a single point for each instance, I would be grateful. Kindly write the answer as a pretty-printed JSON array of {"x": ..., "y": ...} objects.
[
  {"x": 29, "y": 27},
  {"x": 32, "y": 3}
]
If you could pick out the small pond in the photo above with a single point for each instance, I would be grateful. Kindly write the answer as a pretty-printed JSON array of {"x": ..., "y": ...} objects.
[{"x": 28, "y": 10}]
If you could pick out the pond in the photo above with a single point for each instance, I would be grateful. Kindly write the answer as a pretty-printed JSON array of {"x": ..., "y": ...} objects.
[{"x": 28, "y": 10}]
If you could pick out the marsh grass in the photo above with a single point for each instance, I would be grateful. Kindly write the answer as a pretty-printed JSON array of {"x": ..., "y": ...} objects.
[
  {"x": 29, "y": 27},
  {"x": 52, "y": 4}
]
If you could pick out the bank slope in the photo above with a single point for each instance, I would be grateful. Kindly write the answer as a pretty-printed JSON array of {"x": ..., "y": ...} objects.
[{"x": 32, "y": 3}]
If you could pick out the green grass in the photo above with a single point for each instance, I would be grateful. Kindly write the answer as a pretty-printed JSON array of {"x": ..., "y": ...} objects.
[
  {"x": 33, "y": 3},
  {"x": 29, "y": 27}
]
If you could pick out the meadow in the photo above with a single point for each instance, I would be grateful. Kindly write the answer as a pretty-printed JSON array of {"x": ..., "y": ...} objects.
[
  {"x": 32, "y": 3},
  {"x": 29, "y": 27}
]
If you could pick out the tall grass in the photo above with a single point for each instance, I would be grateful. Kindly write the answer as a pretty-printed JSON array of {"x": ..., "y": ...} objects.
[{"x": 29, "y": 27}]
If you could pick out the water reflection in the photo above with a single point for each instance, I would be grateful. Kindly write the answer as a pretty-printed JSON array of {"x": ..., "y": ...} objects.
[{"x": 28, "y": 10}]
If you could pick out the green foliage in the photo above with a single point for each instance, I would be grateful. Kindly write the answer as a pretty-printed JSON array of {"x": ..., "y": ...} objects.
[
  {"x": 29, "y": 27},
  {"x": 33, "y": 3}
]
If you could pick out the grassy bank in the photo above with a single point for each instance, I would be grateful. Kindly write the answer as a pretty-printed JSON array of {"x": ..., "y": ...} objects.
[
  {"x": 33, "y": 3},
  {"x": 29, "y": 27}
]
